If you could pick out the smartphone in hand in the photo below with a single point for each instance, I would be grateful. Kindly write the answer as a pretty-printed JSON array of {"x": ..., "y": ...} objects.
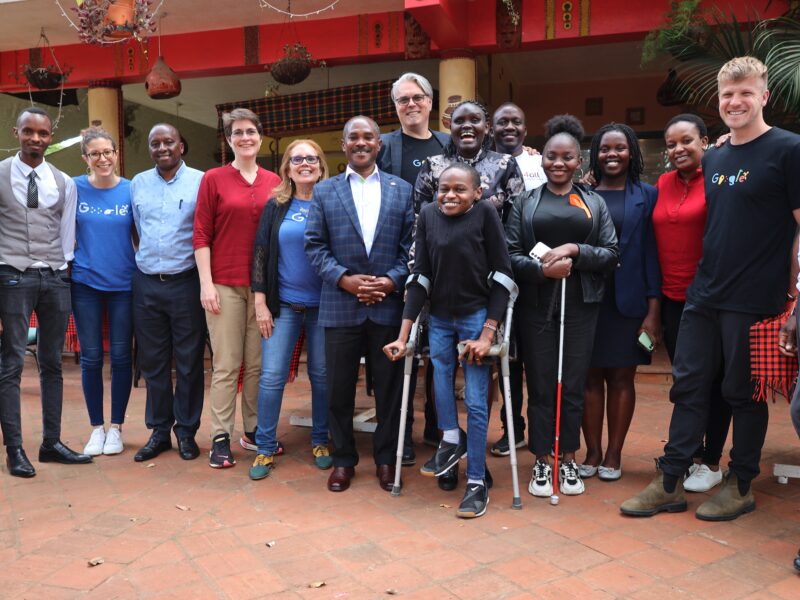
[{"x": 646, "y": 342}]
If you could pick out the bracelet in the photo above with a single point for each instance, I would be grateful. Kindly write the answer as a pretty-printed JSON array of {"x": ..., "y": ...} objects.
[{"x": 488, "y": 325}]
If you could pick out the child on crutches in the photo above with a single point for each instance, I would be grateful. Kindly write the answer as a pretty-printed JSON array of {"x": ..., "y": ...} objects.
[{"x": 459, "y": 242}]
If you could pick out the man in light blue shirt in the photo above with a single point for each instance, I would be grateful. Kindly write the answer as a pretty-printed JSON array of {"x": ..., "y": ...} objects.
[{"x": 167, "y": 316}]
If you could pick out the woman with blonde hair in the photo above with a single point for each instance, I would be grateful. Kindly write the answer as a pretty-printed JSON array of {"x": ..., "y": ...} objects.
[
  {"x": 102, "y": 275},
  {"x": 229, "y": 205},
  {"x": 287, "y": 291}
]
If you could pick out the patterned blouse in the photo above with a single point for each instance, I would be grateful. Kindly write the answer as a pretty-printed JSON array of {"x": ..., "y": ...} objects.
[{"x": 501, "y": 179}]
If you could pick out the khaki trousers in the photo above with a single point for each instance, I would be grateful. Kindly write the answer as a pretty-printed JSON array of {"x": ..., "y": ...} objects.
[{"x": 234, "y": 338}]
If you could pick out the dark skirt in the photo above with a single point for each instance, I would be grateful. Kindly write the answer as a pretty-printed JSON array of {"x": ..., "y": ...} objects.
[{"x": 615, "y": 340}]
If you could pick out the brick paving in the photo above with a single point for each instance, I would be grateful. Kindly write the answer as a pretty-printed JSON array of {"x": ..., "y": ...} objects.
[{"x": 275, "y": 538}]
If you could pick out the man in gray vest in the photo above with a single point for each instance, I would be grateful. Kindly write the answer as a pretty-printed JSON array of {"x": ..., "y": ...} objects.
[{"x": 37, "y": 238}]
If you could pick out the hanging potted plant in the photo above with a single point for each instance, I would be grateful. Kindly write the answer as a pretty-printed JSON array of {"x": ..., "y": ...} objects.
[
  {"x": 38, "y": 72},
  {"x": 103, "y": 22},
  {"x": 295, "y": 65}
]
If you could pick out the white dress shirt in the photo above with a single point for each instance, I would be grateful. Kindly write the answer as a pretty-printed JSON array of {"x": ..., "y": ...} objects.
[
  {"x": 367, "y": 198},
  {"x": 48, "y": 196}
]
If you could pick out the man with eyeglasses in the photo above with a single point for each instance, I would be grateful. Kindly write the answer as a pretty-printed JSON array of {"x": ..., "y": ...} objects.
[
  {"x": 402, "y": 153},
  {"x": 37, "y": 239},
  {"x": 167, "y": 316}
]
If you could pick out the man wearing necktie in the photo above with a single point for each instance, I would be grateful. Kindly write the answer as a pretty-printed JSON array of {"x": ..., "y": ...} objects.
[{"x": 37, "y": 239}]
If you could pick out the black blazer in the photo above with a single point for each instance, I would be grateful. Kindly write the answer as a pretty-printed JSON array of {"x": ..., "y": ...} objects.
[
  {"x": 264, "y": 276},
  {"x": 598, "y": 254},
  {"x": 391, "y": 154}
]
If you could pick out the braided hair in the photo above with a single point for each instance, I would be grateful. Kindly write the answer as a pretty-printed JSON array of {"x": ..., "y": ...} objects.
[
  {"x": 450, "y": 149},
  {"x": 636, "y": 165}
]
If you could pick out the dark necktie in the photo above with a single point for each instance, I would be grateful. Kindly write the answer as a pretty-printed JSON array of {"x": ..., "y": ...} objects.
[{"x": 33, "y": 191}]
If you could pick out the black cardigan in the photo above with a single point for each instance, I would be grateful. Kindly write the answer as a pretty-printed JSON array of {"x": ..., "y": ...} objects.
[{"x": 264, "y": 277}]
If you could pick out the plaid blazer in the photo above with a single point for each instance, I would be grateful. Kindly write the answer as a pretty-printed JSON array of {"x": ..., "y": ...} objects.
[{"x": 335, "y": 246}]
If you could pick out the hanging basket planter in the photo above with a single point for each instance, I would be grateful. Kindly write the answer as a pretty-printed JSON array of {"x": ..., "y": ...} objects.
[
  {"x": 295, "y": 65},
  {"x": 43, "y": 78},
  {"x": 102, "y": 22}
]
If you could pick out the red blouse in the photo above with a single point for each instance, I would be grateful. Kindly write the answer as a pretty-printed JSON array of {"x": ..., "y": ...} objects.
[
  {"x": 226, "y": 218},
  {"x": 679, "y": 219}
]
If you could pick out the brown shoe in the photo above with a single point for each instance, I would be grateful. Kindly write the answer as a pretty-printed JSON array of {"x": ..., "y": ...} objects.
[
  {"x": 340, "y": 477},
  {"x": 655, "y": 499},
  {"x": 727, "y": 504},
  {"x": 385, "y": 475}
]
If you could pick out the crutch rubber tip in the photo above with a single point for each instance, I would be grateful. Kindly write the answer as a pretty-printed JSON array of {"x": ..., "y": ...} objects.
[
  {"x": 395, "y": 490},
  {"x": 516, "y": 504},
  {"x": 554, "y": 500}
]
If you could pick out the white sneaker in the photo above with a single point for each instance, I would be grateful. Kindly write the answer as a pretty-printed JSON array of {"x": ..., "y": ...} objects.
[
  {"x": 702, "y": 480},
  {"x": 113, "y": 443},
  {"x": 541, "y": 484},
  {"x": 94, "y": 447},
  {"x": 691, "y": 470},
  {"x": 569, "y": 479}
]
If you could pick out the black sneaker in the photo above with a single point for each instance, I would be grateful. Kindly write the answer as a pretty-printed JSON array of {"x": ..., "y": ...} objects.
[
  {"x": 220, "y": 455},
  {"x": 501, "y": 448},
  {"x": 446, "y": 456},
  {"x": 476, "y": 499},
  {"x": 449, "y": 481},
  {"x": 409, "y": 456}
]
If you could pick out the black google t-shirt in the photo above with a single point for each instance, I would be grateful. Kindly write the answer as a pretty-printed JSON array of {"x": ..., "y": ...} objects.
[
  {"x": 751, "y": 190},
  {"x": 414, "y": 152}
]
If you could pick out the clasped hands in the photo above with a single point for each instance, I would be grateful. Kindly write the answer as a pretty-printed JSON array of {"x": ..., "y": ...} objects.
[
  {"x": 557, "y": 263},
  {"x": 369, "y": 289}
]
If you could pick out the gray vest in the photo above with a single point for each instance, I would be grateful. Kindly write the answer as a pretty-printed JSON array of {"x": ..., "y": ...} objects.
[{"x": 30, "y": 235}]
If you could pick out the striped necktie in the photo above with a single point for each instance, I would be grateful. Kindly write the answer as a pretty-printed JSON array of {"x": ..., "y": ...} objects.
[{"x": 33, "y": 191}]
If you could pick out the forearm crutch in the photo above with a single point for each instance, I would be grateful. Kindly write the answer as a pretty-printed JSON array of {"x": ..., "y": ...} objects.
[
  {"x": 411, "y": 347},
  {"x": 501, "y": 351},
  {"x": 554, "y": 497}
]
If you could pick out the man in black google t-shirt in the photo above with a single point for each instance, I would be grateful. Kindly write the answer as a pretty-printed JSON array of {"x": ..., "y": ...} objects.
[{"x": 753, "y": 199}]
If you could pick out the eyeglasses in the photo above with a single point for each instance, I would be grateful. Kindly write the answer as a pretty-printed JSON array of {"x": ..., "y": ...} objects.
[
  {"x": 107, "y": 153},
  {"x": 405, "y": 100},
  {"x": 246, "y": 132},
  {"x": 298, "y": 160}
]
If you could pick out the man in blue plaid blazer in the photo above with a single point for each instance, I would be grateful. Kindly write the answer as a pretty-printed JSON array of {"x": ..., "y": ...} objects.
[{"x": 358, "y": 236}]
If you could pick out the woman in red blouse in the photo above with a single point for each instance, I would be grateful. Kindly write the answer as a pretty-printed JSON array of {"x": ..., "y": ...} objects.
[
  {"x": 679, "y": 220},
  {"x": 229, "y": 206}
]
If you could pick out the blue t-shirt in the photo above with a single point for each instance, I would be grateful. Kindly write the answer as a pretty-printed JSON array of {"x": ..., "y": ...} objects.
[
  {"x": 298, "y": 283},
  {"x": 104, "y": 256}
]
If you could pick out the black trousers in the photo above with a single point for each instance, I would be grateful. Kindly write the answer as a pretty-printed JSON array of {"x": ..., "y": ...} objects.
[
  {"x": 344, "y": 347},
  {"x": 710, "y": 339},
  {"x": 540, "y": 358},
  {"x": 719, "y": 413},
  {"x": 169, "y": 320},
  {"x": 515, "y": 371},
  {"x": 48, "y": 293}
]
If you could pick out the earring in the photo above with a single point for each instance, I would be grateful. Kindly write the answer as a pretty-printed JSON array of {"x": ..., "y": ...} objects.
[{"x": 88, "y": 170}]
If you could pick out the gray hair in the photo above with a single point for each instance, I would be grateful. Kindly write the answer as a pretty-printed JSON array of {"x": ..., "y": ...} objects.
[{"x": 423, "y": 83}]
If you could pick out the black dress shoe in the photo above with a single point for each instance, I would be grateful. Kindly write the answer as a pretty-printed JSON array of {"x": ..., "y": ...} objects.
[
  {"x": 154, "y": 446},
  {"x": 449, "y": 481},
  {"x": 409, "y": 456},
  {"x": 59, "y": 453},
  {"x": 18, "y": 463},
  {"x": 385, "y": 475},
  {"x": 339, "y": 479},
  {"x": 187, "y": 448}
]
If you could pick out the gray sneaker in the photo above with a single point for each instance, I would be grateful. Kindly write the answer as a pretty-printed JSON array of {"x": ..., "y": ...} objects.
[{"x": 476, "y": 499}]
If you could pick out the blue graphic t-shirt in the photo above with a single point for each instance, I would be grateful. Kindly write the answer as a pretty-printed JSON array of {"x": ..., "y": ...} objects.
[
  {"x": 104, "y": 256},
  {"x": 298, "y": 283}
]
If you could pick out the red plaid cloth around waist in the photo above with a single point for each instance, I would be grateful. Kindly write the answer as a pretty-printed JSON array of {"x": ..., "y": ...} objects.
[{"x": 769, "y": 369}]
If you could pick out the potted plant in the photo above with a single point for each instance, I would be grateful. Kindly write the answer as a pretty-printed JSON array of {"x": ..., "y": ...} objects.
[
  {"x": 295, "y": 64},
  {"x": 44, "y": 78},
  {"x": 107, "y": 21}
]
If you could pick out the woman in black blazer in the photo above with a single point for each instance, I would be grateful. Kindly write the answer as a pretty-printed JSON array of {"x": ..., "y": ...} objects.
[
  {"x": 632, "y": 304},
  {"x": 575, "y": 223}
]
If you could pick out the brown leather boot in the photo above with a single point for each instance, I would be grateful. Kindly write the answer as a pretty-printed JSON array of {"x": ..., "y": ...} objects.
[
  {"x": 655, "y": 499},
  {"x": 727, "y": 504}
]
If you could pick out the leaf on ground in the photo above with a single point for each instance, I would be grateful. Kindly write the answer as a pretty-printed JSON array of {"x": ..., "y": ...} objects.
[
  {"x": 391, "y": 592},
  {"x": 93, "y": 562},
  {"x": 151, "y": 465},
  {"x": 182, "y": 507},
  {"x": 316, "y": 584},
  {"x": 271, "y": 544},
  {"x": 445, "y": 506}
]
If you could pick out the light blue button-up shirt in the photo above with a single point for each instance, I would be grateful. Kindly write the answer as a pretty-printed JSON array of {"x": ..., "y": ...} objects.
[{"x": 164, "y": 215}]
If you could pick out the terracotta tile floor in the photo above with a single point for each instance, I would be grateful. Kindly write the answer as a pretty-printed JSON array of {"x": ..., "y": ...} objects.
[{"x": 275, "y": 538}]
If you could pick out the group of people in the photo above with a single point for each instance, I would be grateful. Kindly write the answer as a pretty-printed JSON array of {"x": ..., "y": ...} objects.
[{"x": 419, "y": 222}]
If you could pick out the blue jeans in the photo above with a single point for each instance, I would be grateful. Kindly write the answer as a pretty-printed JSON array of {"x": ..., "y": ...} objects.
[
  {"x": 444, "y": 335},
  {"x": 276, "y": 356},
  {"x": 88, "y": 306}
]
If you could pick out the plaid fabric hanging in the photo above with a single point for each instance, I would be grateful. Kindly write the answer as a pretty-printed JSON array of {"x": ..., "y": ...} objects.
[{"x": 769, "y": 369}]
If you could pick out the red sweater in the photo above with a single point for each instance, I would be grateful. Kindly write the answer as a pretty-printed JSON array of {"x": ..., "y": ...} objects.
[
  {"x": 225, "y": 220},
  {"x": 679, "y": 219}
]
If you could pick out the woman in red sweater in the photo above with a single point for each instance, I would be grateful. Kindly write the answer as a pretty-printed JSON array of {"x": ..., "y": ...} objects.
[
  {"x": 229, "y": 206},
  {"x": 679, "y": 219}
]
